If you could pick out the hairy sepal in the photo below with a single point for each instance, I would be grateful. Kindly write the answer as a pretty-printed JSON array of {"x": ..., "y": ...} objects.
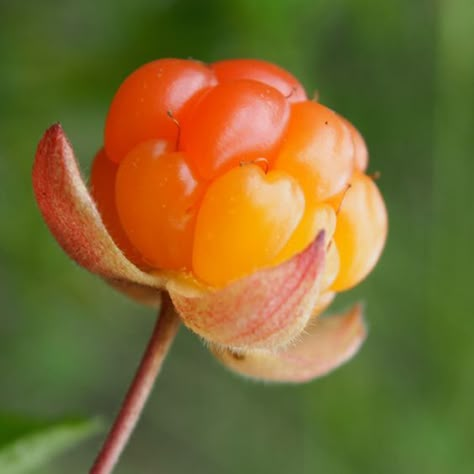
[
  {"x": 72, "y": 217},
  {"x": 267, "y": 309},
  {"x": 326, "y": 344}
]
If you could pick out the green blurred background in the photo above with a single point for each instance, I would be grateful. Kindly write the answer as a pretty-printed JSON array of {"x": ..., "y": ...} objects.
[{"x": 403, "y": 72}]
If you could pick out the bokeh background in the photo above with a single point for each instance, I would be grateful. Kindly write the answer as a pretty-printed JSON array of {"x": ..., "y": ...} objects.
[{"x": 403, "y": 72}]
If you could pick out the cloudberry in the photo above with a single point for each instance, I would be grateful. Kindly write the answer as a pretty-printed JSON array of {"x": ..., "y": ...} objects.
[
  {"x": 226, "y": 198},
  {"x": 223, "y": 169}
]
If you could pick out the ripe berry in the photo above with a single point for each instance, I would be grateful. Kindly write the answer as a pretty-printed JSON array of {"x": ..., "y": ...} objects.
[{"x": 222, "y": 170}]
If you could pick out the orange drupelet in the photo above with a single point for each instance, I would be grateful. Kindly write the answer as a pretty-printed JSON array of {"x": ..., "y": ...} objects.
[
  {"x": 228, "y": 168},
  {"x": 141, "y": 107},
  {"x": 361, "y": 230},
  {"x": 238, "y": 121},
  {"x": 157, "y": 197},
  {"x": 245, "y": 220},
  {"x": 260, "y": 71},
  {"x": 102, "y": 184},
  {"x": 318, "y": 150},
  {"x": 361, "y": 155}
]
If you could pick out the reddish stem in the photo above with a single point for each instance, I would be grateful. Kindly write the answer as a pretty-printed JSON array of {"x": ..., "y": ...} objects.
[{"x": 163, "y": 335}]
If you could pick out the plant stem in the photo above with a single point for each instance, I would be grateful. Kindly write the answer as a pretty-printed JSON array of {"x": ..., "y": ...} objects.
[{"x": 163, "y": 335}]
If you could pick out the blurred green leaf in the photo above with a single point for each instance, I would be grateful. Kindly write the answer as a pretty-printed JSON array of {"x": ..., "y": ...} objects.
[{"x": 27, "y": 444}]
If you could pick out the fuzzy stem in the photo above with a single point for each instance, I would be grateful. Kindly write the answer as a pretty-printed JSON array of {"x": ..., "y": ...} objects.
[{"x": 163, "y": 335}]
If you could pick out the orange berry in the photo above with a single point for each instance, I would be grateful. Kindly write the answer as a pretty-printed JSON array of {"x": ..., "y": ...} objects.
[
  {"x": 102, "y": 184},
  {"x": 361, "y": 230},
  {"x": 140, "y": 108},
  {"x": 157, "y": 199},
  {"x": 245, "y": 220},
  {"x": 228, "y": 168},
  {"x": 261, "y": 71},
  {"x": 234, "y": 122},
  {"x": 317, "y": 150}
]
